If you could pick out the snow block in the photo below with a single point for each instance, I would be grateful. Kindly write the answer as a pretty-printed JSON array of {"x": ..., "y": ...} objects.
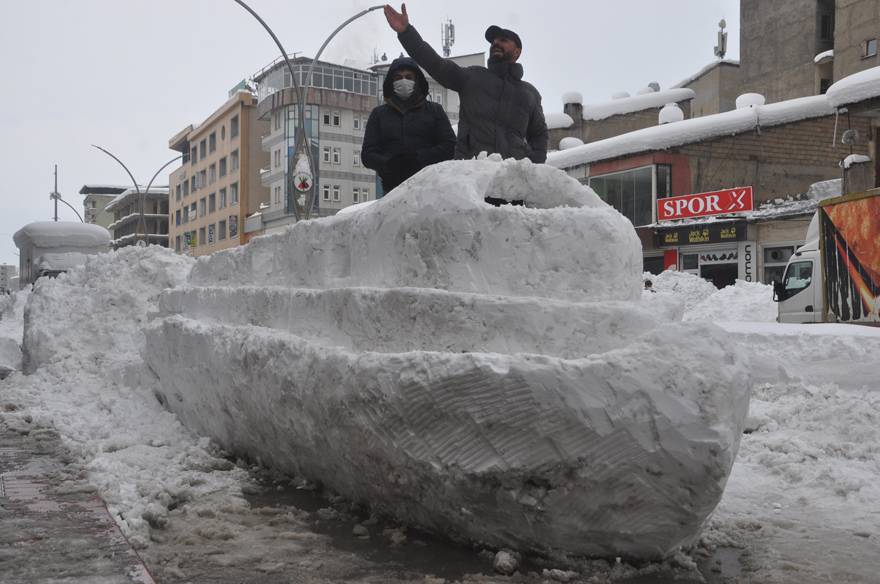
[{"x": 484, "y": 372}]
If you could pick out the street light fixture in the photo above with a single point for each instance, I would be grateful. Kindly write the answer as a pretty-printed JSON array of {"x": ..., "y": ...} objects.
[
  {"x": 56, "y": 196},
  {"x": 304, "y": 163},
  {"x": 142, "y": 196}
]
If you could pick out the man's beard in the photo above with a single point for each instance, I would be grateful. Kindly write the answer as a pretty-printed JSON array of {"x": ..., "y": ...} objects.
[{"x": 497, "y": 57}]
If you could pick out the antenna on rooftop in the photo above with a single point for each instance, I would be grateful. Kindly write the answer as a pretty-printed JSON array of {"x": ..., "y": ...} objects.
[
  {"x": 447, "y": 33},
  {"x": 721, "y": 47}
]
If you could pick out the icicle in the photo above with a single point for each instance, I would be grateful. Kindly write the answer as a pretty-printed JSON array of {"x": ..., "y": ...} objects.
[{"x": 834, "y": 137}]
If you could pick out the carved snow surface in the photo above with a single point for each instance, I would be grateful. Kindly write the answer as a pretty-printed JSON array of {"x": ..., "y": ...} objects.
[{"x": 489, "y": 373}]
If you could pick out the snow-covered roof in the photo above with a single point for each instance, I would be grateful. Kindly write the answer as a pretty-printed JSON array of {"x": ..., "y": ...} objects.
[
  {"x": 572, "y": 97},
  {"x": 824, "y": 56},
  {"x": 694, "y": 130},
  {"x": 627, "y": 105},
  {"x": 125, "y": 194},
  {"x": 705, "y": 70},
  {"x": 854, "y": 88},
  {"x": 558, "y": 120},
  {"x": 101, "y": 189},
  {"x": 61, "y": 234}
]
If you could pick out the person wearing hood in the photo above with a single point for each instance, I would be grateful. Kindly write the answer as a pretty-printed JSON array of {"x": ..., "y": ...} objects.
[
  {"x": 499, "y": 112},
  {"x": 407, "y": 132}
]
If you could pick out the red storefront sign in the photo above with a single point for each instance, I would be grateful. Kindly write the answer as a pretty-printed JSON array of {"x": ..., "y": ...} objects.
[{"x": 701, "y": 205}]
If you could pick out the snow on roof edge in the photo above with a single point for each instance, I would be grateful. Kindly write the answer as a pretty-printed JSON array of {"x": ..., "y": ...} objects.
[
  {"x": 703, "y": 71},
  {"x": 693, "y": 130},
  {"x": 628, "y": 105},
  {"x": 856, "y": 87}
]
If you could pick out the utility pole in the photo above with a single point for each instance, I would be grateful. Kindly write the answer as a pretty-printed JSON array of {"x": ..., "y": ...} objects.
[{"x": 55, "y": 194}]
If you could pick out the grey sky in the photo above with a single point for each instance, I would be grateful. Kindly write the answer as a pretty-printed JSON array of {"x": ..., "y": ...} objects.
[{"x": 129, "y": 74}]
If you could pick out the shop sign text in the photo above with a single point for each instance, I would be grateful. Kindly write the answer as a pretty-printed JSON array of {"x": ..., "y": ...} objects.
[{"x": 723, "y": 202}]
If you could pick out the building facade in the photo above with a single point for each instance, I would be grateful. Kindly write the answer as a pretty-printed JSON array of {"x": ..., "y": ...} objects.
[
  {"x": 139, "y": 216},
  {"x": 786, "y": 152},
  {"x": 95, "y": 200},
  {"x": 8, "y": 274},
  {"x": 218, "y": 183}
]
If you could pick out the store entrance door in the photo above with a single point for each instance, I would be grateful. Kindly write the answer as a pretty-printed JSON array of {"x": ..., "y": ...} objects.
[{"x": 720, "y": 274}]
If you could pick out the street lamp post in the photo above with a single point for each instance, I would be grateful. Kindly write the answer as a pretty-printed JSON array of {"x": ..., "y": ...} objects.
[
  {"x": 142, "y": 221},
  {"x": 304, "y": 163},
  {"x": 56, "y": 196}
]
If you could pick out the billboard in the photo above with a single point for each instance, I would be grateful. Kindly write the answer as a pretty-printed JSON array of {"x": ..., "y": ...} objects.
[
  {"x": 850, "y": 236},
  {"x": 722, "y": 202}
]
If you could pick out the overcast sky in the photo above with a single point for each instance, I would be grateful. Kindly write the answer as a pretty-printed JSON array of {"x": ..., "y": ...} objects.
[{"x": 129, "y": 74}]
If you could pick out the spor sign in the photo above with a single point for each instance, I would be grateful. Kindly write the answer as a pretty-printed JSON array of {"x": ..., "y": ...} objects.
[{"x": 704, "y": 204}]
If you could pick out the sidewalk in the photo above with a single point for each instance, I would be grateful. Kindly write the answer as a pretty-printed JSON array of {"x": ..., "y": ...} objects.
[{"x": 53, "y": 526}]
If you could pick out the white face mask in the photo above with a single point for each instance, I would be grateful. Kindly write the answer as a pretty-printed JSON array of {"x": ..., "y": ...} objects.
[{"x": 403, "y": 88}]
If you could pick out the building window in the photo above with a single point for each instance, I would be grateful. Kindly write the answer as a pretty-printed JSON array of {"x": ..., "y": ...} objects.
[
  {"x": 826, "y": 27},
  {"x": 177, "y": 217},
  {"x": 185, "y": 188},
  {"x": 630, "y": 192},
  {"x": 326, "y": 192},
  {"x": 356, "y": 159},
  {"x": 192, "y": 156},
  {"x": 203, "y": 149},
  {"x": 186, "y": 214},
  {"x": 335, "y": 193},
  {"x": 212, "y": 174},
  {"x": 177, "y": 244},
  {"x": 337, "y": 120},
  {"x": 192, "y": 181},
  {"x": 212, "y": 202},
  {"x": 221, "y": 230},
  {"x": 233, "y": 226},
  {"x": 824, "y": 84},
  {"x": 326, "y": 155},
  {"x": 193, "y": 215},
  {"x": 202, "y": 207},
  {"x": 357, "y": 123},
  {"x": 233, "y": 161},
  {"x": 355, "y": 194},
  {"x": 233, "y": 127},
  {"x": 222, "y": 167},
  {"x": 211, "y": 233},
  {"x": 365, "y": 194},
  {"x": 212, "y": 142},
  {"x": 869, "y": 48},
  {"x": 177, "y": 193},
  {"x": 278, "y": 158},
  {"x": 337, "y": 156},
  {"x": 326, "y": 119},
  {"x": 222, "y": 133},
  {"x": 276, "y": 121},
  {"x": 775, "y": 260},
  {"x": 277, "y": 195},
  {"x": 203, "y": 179},
  {"x": 223, "y": 198},
  {"x": 202, "y": 235},
  {"x": 233, "y": 194}
]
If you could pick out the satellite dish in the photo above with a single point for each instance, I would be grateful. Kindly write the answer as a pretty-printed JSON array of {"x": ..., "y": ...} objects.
[{"x": 850, "y": 137}]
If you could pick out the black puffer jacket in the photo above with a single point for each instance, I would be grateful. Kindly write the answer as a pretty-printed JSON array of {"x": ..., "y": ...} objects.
[
  {"x": 404, "y": 136},
  {"x": 499, "y": 112}
]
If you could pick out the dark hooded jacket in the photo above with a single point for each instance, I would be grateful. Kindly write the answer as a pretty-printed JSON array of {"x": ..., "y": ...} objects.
[
  {"x": 499, "y": 112},
  {"x": 404, "y": 136}
]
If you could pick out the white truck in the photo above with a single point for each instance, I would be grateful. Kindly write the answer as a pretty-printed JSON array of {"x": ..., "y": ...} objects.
[{"x": 835, "y": 275}]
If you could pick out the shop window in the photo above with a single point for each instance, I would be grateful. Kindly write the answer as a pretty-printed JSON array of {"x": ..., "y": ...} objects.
[
  {"x": 631, "y": 192},
  {"x": 690, "y": 261},
  {"x": 652, "y": 264}
]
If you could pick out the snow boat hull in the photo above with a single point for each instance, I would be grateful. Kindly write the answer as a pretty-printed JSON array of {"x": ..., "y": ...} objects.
[{"x": 477, "y": 408}]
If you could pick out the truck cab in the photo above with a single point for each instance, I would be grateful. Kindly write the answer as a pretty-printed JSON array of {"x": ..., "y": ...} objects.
[{"x": 799, "y": 294}]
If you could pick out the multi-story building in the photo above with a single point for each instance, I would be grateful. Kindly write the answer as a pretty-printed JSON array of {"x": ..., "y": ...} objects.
[
  {"x": 339, "y": 103},
  {"x": 139, "y": 216},
  {"x": 8, "y": 273},
  {"x": 218, "y": 182},
  {"x": 96, "y": 199}
]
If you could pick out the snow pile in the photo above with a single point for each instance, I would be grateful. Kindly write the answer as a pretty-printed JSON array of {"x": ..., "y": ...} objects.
[
  {"x": 484, "y": 372},
  {"x": 824, "y": 57},
  {"x": 854, "y": 159},
  {"x": 572, "y": 97},
  {"x": 747, "y": 100},
  {"x": 744, "y": 301},
  {"x": 82, "y": 339},
  {"x": 671, "y": 113},
  {"x": 626, "y": 105},
  {"x": 570, "y": 142},
  {"x": 558, "y": 120},
  {"x": 11, "y": 316},
  {"x": 857, "y": 87}
]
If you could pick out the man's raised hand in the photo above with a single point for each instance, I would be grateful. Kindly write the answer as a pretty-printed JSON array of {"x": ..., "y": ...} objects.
[{"x": 398, "y": 21}]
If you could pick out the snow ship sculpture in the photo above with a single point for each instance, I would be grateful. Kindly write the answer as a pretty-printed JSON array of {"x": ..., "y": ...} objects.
[{"x": 484, "y": 372}]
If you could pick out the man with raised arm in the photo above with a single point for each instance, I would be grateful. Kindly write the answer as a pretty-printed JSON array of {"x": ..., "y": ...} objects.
[{"x": 499, "y": 112}]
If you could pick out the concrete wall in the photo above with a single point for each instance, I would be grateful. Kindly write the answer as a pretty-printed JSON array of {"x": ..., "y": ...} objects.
[
  {"x": 855, "y": 22},
  {"x": 716, "y": 90},
  {"x": 778, "y": 41}
]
